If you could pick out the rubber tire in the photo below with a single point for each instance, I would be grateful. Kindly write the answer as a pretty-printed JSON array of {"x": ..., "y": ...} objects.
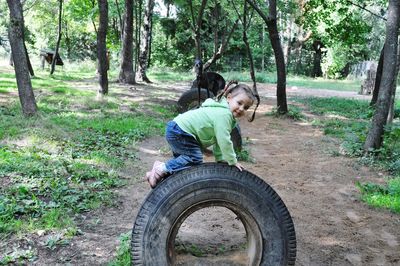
[
  {"x": 189, "y": 99},
  {"x": 236, "y": 138},
  {"x": 268, "y": 224}
]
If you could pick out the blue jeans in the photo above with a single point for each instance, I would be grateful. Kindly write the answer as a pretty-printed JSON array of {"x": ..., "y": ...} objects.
[{"x": 185, "y": 148}]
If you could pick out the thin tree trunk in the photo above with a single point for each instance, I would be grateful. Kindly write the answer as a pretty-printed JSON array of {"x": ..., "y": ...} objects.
[
  {"x": 91, "y": 18},
  {"x": 101, "y": 46},
  {"x": 317, "y": 71},
  {"x": 30, "y": 68},
  {"x": 288, "y": 47},
  {"x": 378, "y": 79},
  {"x": 150, "y": 42},
  {"x": 137, "y": 21},
  {"x": 246, "y": 25},
  {"x": 11, "y": 60},
  {"x": 375, "y": 134},
  {"x": 126, "y": 74},
  {"x": 144, "y": 46},
  {"x": 53, "y": 63},
  {"x": 16, "y": 36},
  {"x": 121, "y": 22},
  {"x": 393, "y": 96},
  {"x": 271, "y": 22},
  {"x": 196, "y": 26},
  {"x": 262, "y": 51},
  {"x": 67, "y": 40}
]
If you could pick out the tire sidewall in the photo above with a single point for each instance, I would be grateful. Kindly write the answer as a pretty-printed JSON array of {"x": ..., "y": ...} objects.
[{"x": 246, "y": 194}]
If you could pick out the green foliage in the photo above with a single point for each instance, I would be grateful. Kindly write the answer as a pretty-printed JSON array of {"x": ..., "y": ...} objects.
[
  {"x": 294, "y": 112},
  {"x": 382, "y": 196},
  {"x": 349, "y": 120},
  {"x": 344, "y": 30},
  {"x": 66, "y": 160},
  {"x": 244, "y": 155},
  {"x": 334, "y": 107},
  {"x": 123, "y": 257}
]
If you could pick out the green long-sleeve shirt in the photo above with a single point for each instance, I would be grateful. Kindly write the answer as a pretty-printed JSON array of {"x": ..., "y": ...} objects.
[{"x": 211, "y": 124}]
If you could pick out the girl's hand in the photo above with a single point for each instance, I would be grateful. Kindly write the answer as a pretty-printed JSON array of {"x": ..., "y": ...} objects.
[{"x": 239, "y": 166}]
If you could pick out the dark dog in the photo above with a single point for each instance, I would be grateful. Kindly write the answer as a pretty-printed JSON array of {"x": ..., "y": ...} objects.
[{"x": 211, "y": 81}]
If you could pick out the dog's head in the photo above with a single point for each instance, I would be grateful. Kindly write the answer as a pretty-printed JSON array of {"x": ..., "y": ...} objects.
[{"x": 198, "y": 66}]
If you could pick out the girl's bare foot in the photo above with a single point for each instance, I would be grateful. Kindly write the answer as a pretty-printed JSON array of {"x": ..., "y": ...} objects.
[{"x": 156, "y": 174}]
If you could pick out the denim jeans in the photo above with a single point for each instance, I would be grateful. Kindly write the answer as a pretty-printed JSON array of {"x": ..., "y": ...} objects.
[{"x": 185, "y": 148}]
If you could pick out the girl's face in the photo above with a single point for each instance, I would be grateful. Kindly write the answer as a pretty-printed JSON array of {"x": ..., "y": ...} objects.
[{"x": 239, "y": 103}]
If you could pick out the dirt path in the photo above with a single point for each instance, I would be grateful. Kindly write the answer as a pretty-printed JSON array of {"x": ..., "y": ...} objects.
[{"x": 333, "y": 227}]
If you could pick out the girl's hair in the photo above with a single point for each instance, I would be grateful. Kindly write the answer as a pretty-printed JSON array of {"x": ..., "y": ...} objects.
[{"x": 253, "y": 95}]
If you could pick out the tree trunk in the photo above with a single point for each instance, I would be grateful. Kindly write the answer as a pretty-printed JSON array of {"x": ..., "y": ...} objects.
[
  {"x": 144, "y": 46},
  {"x": 246, "y": 25},
  {"x": 138, "y": 25},
  {"x": 262, "y": 49},
  {"x": 393, "y": 96},
  {"x": 375, "y": 134},
  {"x": 271, "y": 22},
  {"x": 288, "y": 46},
  {"x": 101, "y": 47},
  {"x": 378, "y": 78},
  {"x": 126, "y": 74},
  {"x": 121, "y": 22},
  {"x": 91, "y": 17},
  {"x": 67, "y": 40},
  {"x": 317, "y": 71},
  {"x": 10, "y": 60},
  {"x": 53, "y": 63},
  {"x": 30, "y": 68},
  {"x": 196, "y": 26},
  {"x": 16, "y": 36}
]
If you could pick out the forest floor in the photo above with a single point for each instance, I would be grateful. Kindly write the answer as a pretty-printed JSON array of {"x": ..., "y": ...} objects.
[{"x": 302, "y": 165}]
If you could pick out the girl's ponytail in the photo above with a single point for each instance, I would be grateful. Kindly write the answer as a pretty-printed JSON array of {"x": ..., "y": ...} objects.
[
  {"x": 257, "y": 96},
  {"x": 226, "y": 90}
]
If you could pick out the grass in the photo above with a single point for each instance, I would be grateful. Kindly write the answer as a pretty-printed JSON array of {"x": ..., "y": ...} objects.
[
  {"x": 382, "y": 196},
  {"x": 322, "y": 83},
  {"x": 294, "y": 112},
  {"x": 123, "y": 257},
  {"x": 262, "y": 77},
  {"x": 66, "y": 160},
  {"x": 349, "y": 121}
]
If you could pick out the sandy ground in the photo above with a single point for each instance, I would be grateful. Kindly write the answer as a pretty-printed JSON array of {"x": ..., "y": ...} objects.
[{"x": 333, "y": 227}]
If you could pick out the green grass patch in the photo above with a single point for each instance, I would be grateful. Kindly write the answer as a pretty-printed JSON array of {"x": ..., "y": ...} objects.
[
  {"x": 261, "y": 77},
  {"x": 322, "y": 83},
  {"x": 123, "y": 257},
  {"x": 349, "y": 121},
  {"x": 67, "y": 159},
  {"x": 294, "y": 112},
  {"x": 382, "y": 196},
  {"x": 334, "y": 106}
]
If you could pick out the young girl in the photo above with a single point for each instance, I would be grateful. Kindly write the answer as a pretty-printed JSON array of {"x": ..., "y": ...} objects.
[{"x": 211, "y": 124}]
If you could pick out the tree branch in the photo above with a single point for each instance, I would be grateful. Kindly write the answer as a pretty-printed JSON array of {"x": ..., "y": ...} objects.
[{"x": 369, "y": 11}]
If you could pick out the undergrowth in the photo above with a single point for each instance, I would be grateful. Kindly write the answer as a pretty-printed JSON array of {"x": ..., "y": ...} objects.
[
  {"x": 67, "y": 160},
  {"x": 349, "y": 120}
]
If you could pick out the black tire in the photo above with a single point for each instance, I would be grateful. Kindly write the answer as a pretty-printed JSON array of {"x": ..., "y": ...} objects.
[
  {"x": 269, "y": 227},
  {"x": 190, "y": 99},
  {"x": 236, "y": 138}
]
